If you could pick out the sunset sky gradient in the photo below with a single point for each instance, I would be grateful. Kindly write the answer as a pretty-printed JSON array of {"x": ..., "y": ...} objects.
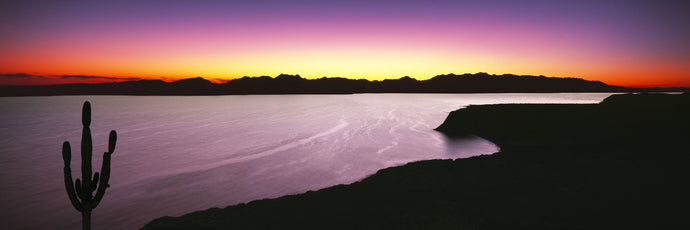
[{"x": 629, "y": 43}]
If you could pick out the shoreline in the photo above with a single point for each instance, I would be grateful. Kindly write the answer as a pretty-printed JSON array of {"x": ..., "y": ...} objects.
[{"x": 620, "y": 163}]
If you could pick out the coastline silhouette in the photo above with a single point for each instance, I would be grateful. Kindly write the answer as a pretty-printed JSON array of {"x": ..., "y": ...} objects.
[{"x": 618, "y": 164}]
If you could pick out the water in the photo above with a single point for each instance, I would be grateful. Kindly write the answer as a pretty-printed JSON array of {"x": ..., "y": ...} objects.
[{"x": 176, "y": 155}]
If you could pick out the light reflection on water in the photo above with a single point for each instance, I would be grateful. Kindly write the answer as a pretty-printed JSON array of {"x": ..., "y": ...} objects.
[{"x": 180, "y": 154}]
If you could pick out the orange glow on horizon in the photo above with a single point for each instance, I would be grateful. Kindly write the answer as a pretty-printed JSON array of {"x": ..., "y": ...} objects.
[
  {"x": 363, "y": 59},
  {"x": 221, "y": 46},
  {"x": 620, "y": 80}
]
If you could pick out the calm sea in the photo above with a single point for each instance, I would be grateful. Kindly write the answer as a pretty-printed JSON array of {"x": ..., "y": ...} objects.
[{"x": 178, "y": 154}]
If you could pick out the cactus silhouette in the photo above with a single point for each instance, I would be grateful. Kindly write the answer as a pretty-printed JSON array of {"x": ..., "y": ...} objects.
[{"x": 81, "y": 193}]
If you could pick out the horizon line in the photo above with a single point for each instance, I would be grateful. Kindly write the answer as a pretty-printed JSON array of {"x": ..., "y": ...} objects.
[{"x": 27, "y": 79}]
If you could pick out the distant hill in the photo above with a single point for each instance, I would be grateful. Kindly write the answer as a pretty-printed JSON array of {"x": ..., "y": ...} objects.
[{"x": 294, "y": 84}]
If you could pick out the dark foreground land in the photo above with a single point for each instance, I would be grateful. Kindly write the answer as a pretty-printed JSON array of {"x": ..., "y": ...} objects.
[{"x": 620, "y": 164}]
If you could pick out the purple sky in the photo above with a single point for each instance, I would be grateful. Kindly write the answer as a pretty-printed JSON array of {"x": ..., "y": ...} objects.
[{"x": 621, "y": 42}]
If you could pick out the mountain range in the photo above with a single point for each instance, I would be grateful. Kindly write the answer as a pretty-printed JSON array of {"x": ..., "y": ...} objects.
[{"x": 294, "y": 84}]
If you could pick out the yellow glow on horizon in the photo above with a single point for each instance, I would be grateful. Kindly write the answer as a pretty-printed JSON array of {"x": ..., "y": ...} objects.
[
  {"x": 354, "y": 63},
  {"x": 358, "y": 61}
]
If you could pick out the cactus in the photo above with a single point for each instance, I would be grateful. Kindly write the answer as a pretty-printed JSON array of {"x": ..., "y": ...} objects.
[{"x": 81, "y": 193}]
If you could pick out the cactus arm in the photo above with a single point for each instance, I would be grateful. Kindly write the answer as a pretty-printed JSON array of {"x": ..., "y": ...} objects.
[
  {"x": 80, "y": 191},
  {"x": 105, "y": 177},
  {"x": 71, "y": 193},
  {"x": 112, "y": 140},
  {"x": 95, "y": 181},
  {"x": 105, "y": 169}
]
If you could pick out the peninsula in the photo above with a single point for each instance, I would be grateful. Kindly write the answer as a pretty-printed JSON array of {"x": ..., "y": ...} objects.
[{"x": 619, "y": 164}]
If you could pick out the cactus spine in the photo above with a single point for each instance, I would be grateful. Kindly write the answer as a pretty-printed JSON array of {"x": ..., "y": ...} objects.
[{"x": 81, "y": 192}]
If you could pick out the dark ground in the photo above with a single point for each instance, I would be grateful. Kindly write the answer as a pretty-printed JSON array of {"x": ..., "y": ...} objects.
[{"x": 621, "y": 164}]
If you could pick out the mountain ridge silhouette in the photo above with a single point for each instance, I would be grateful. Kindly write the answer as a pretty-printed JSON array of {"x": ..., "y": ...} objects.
[{"x": 295, "y": 84}]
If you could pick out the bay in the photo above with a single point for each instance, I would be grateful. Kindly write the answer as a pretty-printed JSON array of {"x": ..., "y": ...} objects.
[{"x": 178, "y": 154}]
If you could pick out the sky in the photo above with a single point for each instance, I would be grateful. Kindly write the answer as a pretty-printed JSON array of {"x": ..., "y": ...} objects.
[{"x": 628, "y": 43}]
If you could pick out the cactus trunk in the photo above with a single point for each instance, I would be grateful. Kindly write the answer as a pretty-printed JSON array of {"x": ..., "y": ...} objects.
[
  {"x": 86, "y": 220},
  {"x": 81, "y": 193}
]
